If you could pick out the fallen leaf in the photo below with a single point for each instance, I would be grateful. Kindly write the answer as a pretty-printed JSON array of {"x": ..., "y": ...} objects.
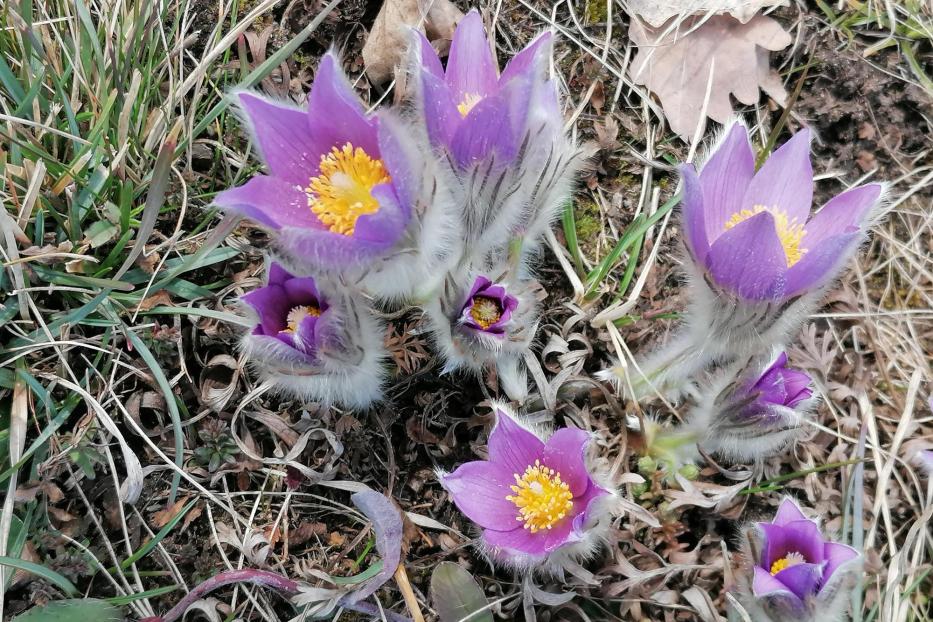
[
  {"x": 676, "y": 66},
  {"x": 388, "y": 38},
  {"x": 656, "y": 12},
  {"x": 161, "y": 518},
  {"x": 161, "y": 298}
]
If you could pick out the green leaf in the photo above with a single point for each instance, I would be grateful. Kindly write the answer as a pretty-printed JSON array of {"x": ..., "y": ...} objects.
[
  {"x": 76, "y": 610},
  {"x": 49, "y": 575},
  {"x": 456, "y": 595}
]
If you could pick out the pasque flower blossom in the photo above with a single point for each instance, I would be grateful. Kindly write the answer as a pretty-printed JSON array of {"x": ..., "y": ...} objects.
[
  {"x": 344, "y": 190},
  {"x": 795, "y": 573},
  {"x": 752, "y": 412},
  {"x": 535, "y": 500},
  {"x": 752, "y": 231},
  {"x": 500, "y": 134},
  {"x": 488, "y": 308},
  {"x": 757, "y": 262},
  {"x": 318, "y": 346}
]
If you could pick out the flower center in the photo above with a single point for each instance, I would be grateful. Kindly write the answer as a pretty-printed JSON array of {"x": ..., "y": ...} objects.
[
  {"x": 486, "y": 311},
  {"x": 791, "y": 559},
  {"x": 790, "y": 232},
  {"x": 299, "y": 313},
  {"x": 469, "y": 100},
  {"x": 541, "y": 497},
  {"x": 342, "y": 191}
]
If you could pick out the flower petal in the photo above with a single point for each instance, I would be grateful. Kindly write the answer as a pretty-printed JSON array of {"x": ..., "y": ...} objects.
[
  {"x": 430, "y": 62},
  {"x": 471, "y": 68},
  {"x": 694, "y": 213},
  {"x": 724, "y": 179},
  {"x": 800, "y": 536},
  {"x": 565, "y": 453},
  {"x": 531, "y": 59},
  {"x": 521, "y": 540},
  {"x": 270, "y": 201},
  {"x": 802, "y": 580},
  {"x": 272, "y": 306},
  {"x": 479, "y": 489},
  {"x": 764, "y": 584},
  {"x": 836, "y": 555},
  {"x": 785, "y": 181},
  {"x": 587, "y": 506},
  {"x": 788, "y": 511},
  {"x": 287, "y": 145},
  {"x": 302, "y": 291},
  {"x": 821, "y": 263},
  {"x": 749, "y": 259},
  {"x": 512, "y": 446},
  {"x": 487, "y": 129},
  {"x": 306, "y": 334},
  {"x": 841, "y": 214},
  {"x": 335, "y": 114},
  {"x": 441, "y": 116},
  {"x": 397, "y": 155}
]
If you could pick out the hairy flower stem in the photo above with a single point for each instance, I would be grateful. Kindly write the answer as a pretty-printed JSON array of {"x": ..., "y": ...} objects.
[{"x": 257, "y": 577}]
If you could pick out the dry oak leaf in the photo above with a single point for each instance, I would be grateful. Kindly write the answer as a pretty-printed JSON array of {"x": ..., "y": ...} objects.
[
  {"x": 656, "y": 12},
  {"x": 676, "y": 66},
  {"x": 388, "y": 38}
]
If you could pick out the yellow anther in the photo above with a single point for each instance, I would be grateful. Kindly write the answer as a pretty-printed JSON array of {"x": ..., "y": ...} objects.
[
  {"x": 297, "y": 314},
  {"x": 485, "y": 311},
  {"x": 469, "y": 100},
  {"x": 791, "y": 559},
  {"x": 542, "y": 498},
  {"x": 342, "y": 191}
]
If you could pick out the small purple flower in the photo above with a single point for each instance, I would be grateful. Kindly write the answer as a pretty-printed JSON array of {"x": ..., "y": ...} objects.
[
  {"x": 782, "y": 386},
  {"x": 290, "y": 309},
  {"x": 339, "y": 188},
  {"x": 532, "y": 497},
  {"x": 796, "y": 564},
  {"x": 752, "y": 232},
  {"x": 488, "y": 308},
  {"x": 473, "y": 110}
]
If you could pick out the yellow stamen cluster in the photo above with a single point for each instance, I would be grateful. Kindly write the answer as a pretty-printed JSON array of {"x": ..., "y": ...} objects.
[
  {"x": 469, "y": 100},
  {"x": 486, "y": 311},
  {"x": 790, "y": 232},
  {"x": 342, "y": 192},
  {"x": 791, "y": 559},
  {"x": 297, "y": 314},
  {"x": 541, "y": 497}
]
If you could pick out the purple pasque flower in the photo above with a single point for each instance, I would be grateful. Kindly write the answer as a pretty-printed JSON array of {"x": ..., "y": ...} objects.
[
  {"x": 780, "y": 385},
  {"x": 488, "y": 308},
  {"x": 289, "y": 309},
  {"x": 752, "y": 233},
  {"x": 338, "y": 187},
  {"x": 470, "y": 108},
  {"x": 796, "y": 568},
  {"x": 531, "y": 497}
]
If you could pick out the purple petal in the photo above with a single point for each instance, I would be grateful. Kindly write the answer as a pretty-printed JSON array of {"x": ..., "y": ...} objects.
[
  {"x": 272, "y": 306},
  {"x": 802, "y": 580},
  {"x": 306, "y": 334},
  {"x": 481, "y": 284},
  {"x": 693, "y": 210},
  {"x": 585, "y": 506},
  {"x": 531, "y": 59},
  {"x": 788, "y": 511},
  {"x": 429, "y": 59},
  {"x": 764, "y": 584},
  {"x": 270, "y": 201},
  {"x": 398, "y": 162},
  {"x": 749, "y": 259},
  {"x": 842, "y": 214},
  {"x": 440, "y": 110},
  {"x": 785, "y": 181},
  {"x": 800, "y": 536},
  {"x": 479, "y": 489},
  {"x": 302, "y": 291},
  {"x": 523, "y": 541},
  {"x": 513, "y": 447},
  {"x": 820, "y": 263},
  {"x": 487, "y": 129},
  {"x": 278, "y": 275},
  {"x": 565, "y": 452},
  {"x": 836, "y": 555},
  {"x": 471, "y": 69},
  {"x": 724, "y": 179},
  {"x": 388, "y": 528},
  {"x": 335, "y": 114},
  {"x": 288, "y": 147}
]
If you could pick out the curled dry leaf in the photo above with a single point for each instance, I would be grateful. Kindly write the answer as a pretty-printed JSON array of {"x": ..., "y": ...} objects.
[
  {"x": 656, "y": 12},
  {"x": 219, "y": 381},
  {"x": 676, "y": 66},
  {"x": 388, "y": 38}
]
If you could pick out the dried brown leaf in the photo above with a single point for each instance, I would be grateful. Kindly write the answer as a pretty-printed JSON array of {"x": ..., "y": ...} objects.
[
  {"x": 388, "y": 38},
  {"x": 656, "y": 12},
  {"x": 676, "y": 66}
]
